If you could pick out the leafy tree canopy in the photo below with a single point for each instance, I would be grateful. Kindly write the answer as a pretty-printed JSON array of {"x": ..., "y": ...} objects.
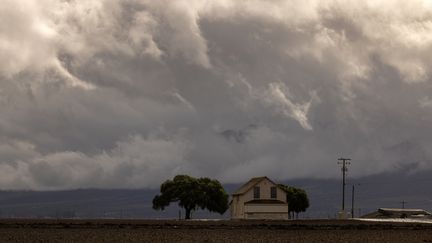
[
  {"x": 297, "y": 199},
  {"x": 191, "y": 194}
]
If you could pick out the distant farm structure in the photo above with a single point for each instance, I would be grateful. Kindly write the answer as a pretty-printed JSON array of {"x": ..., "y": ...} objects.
[
  {"x": 259, "y": 198},
  {"x": 392, "y": 213}
]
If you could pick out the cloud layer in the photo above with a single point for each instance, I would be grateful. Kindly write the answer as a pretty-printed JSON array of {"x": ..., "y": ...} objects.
[{"x": 128, "y": 93}]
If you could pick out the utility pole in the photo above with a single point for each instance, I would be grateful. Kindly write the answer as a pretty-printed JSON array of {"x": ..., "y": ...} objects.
[
  {"x": 352, "y": 202},
  {"x": 403, "y": 204},
  {"x": 353, "y": 199},
  {"x": 344, "y": 162}
]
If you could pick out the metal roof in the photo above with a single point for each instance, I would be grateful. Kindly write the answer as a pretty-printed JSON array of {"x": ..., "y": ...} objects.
[{"x": 404, "y": 210}]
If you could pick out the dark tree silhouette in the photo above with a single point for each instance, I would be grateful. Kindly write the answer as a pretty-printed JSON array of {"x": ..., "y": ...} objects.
[
  {"x": 192, "y": 193},
  {"x": 297, "y": 199}
]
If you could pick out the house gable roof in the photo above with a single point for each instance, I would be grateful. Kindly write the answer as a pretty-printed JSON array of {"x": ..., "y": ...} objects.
[{"x": 251, "y": 183}]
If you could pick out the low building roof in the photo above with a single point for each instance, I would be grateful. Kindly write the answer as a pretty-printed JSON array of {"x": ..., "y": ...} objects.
[
  {"x": 398, "y": 213},
  {"x": 404, "y": 210}
]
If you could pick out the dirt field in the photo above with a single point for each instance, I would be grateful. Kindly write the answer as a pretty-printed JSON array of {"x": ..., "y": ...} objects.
[{"x": 210, "y": 231}]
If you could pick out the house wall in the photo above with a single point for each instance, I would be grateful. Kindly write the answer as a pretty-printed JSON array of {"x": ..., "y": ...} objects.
[
  {"x": 266, "y": 208},
  {"x": 238, "y": 208},
  {"x": 280, "y": 216},
  {"x": 265, "y": 186}
]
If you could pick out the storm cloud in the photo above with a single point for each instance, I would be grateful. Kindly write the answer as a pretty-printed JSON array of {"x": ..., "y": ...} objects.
[{"x": 128, "y": 93}]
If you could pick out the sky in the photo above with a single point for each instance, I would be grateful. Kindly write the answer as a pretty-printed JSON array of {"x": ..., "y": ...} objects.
[{"x": 129, "y": 93}]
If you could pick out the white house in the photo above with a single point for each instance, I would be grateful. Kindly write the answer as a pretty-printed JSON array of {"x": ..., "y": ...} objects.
[{"x": 259, "y": 198}]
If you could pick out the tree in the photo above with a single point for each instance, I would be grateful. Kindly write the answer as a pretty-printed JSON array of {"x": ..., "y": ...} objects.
[
  {"x": 297, "y": 199},
  {"x": 191, "y": 194}
]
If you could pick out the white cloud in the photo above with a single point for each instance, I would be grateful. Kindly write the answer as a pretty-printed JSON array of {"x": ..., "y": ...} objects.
[
  {"x": 132, "y": 163},
  {"x": 77, "y": 78}
]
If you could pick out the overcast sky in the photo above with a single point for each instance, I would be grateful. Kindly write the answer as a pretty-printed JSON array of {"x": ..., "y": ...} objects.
[{"x": 129, "y": 93}]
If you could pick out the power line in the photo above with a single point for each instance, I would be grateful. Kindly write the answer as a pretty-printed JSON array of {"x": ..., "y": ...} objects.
[{"x": 405, "y": 181}]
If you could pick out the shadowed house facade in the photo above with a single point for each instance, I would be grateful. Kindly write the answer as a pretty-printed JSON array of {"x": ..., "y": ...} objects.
[{"x": 259, "y": 198}]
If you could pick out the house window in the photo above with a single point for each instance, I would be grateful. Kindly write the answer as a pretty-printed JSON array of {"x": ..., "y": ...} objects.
[
  {"x": 256, "y": 192},
  {"x": 273, "y": 192}
]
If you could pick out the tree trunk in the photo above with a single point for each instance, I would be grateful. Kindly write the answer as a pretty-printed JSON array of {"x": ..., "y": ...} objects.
[{"x": 188, "y": 213}]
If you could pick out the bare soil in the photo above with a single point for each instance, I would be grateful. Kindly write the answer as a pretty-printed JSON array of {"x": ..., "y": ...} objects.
[{"x": 211, "y": 231}]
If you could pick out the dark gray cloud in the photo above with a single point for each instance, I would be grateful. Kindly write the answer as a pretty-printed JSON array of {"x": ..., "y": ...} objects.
[{"x": 108, "y": 93}]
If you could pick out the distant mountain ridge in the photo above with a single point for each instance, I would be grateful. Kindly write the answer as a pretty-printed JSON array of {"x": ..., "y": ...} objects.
[{"x": 385, "y": 190}]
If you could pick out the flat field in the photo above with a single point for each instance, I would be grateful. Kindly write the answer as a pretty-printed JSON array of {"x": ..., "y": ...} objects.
[{"x": 21, "y": 230}]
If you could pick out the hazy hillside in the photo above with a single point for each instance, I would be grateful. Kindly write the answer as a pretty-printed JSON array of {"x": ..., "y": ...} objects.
[{"x": 387, "y": 190}]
